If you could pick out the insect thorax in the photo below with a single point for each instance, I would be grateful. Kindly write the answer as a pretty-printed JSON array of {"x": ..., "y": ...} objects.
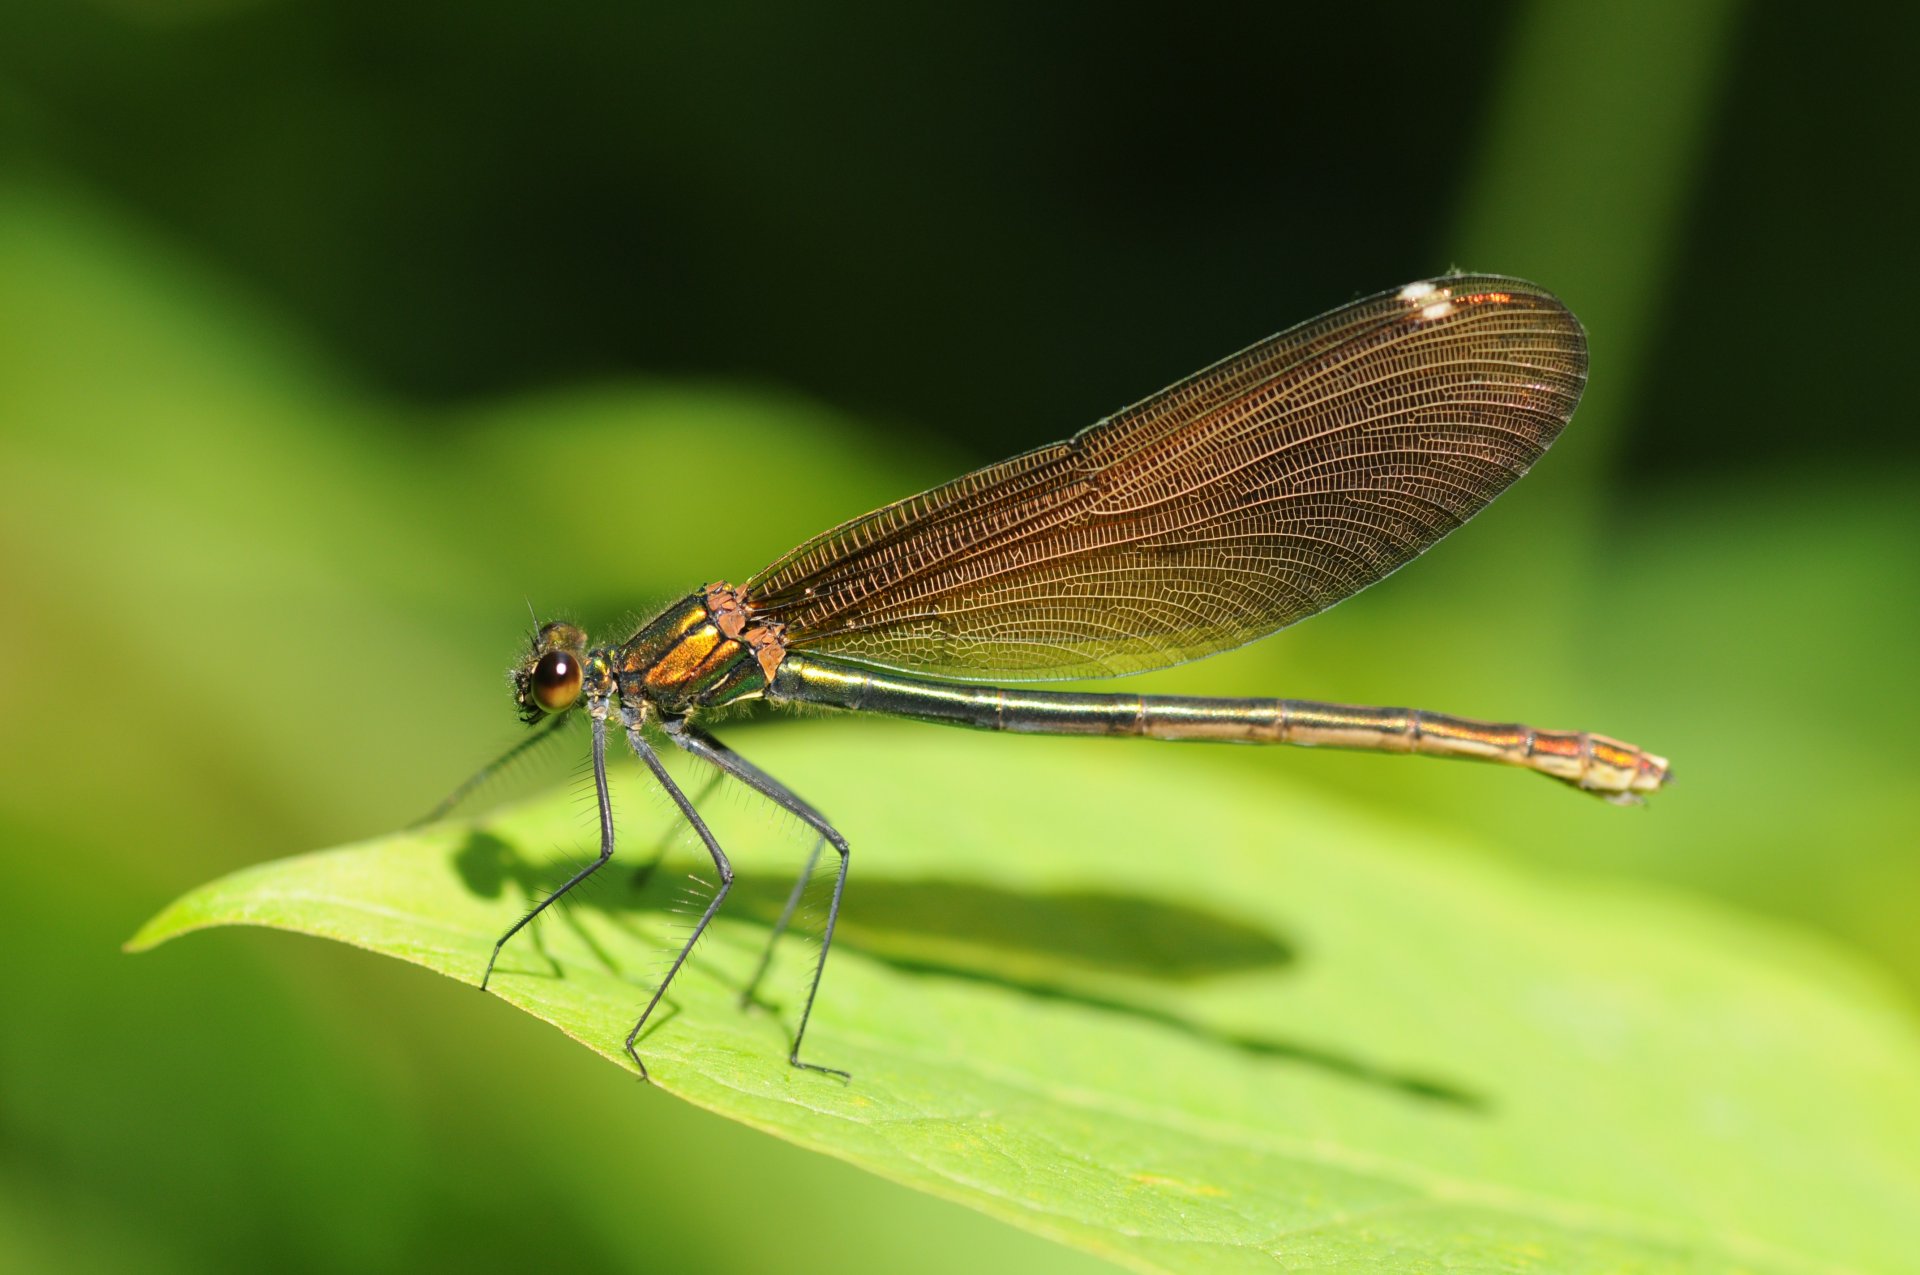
[{"x": 701, "y": 652}]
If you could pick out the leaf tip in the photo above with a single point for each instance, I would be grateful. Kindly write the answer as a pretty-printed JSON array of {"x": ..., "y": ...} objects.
[{"x": 169, "y": 923}]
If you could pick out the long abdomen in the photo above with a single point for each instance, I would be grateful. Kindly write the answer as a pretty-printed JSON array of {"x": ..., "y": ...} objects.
[{"x": 1593, "y": 763}]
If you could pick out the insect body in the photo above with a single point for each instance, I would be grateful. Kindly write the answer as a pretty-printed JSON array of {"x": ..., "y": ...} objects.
[{"x": 1251, "y": 495}]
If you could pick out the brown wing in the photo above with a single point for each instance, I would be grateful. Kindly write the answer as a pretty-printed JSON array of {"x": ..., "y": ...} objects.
[{"x": 1248, "y": 496}]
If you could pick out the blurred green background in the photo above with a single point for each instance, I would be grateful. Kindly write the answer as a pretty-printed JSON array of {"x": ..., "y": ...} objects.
[{"x": 331, "y": 332}]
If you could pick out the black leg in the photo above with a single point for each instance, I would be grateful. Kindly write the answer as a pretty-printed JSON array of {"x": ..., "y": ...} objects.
[
  {"x": 547, "y": 730},
  {"x": 780, "y": 926},
  {"x": 644, "y": 873},
  {"x": 606, "y": 846},
  {"x": 720, "y": 865},
  {"x": 703, "y": 745}
]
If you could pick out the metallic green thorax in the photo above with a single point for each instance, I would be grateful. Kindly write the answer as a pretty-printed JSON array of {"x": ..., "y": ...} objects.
[{"x": 698, "y": 653}]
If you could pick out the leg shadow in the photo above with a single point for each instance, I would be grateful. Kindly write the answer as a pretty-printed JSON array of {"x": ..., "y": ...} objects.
[{"x": 1116, "y": 953}]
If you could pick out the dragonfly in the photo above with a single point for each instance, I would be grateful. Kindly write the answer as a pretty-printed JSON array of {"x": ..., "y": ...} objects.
[{"x": 1252, "y": 494}]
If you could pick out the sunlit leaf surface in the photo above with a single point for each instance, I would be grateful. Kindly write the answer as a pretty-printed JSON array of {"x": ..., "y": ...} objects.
[{"x": 1193, "y": 1018}]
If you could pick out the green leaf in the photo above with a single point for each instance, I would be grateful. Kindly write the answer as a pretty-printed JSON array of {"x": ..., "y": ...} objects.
[{"x": 1193, "y": 1018}]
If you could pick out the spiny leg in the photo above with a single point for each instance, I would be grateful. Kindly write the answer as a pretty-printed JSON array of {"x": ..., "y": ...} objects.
[
  {"x": 720, "y": 864},
  {"x": 606, "y": 846},
  {"x": 473, "y": 782},
  {"x": 703, "y": 745},
  {"x": 780, "y": 926},
  {"x": 644, "y": 872}
]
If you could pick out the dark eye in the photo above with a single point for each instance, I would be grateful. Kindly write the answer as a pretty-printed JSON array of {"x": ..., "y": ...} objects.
[{"x": 556, "y": 681}]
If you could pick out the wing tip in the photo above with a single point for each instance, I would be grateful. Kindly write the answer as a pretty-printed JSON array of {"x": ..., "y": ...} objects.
[{"x": 1458, "y": 294}]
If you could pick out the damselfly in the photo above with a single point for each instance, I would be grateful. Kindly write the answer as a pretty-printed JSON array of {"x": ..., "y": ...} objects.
[{"x": 1248, "y": 496}]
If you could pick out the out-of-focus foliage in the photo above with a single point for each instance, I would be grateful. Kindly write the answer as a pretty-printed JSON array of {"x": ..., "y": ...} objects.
[
  {"x": 249, "y": 611},
  {"x": 330, "y": 332}
]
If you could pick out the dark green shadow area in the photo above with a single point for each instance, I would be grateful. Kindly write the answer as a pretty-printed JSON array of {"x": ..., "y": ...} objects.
[{"x": 1116, "y": 953}]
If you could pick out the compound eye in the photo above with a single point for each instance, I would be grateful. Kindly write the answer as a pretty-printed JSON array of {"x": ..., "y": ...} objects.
[{"x": 556, "y": 681}]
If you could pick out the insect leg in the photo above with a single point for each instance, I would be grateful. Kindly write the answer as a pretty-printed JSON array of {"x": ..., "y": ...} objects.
[
  {"x": 478, "y": 779},
  {"x": 644, "y": 872},
  {"x": 780, "y": 926},
  {"x": 606, "y": 847},
  {"x": 705, "y": 746},
  {"x": 720, "y": 865}
]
